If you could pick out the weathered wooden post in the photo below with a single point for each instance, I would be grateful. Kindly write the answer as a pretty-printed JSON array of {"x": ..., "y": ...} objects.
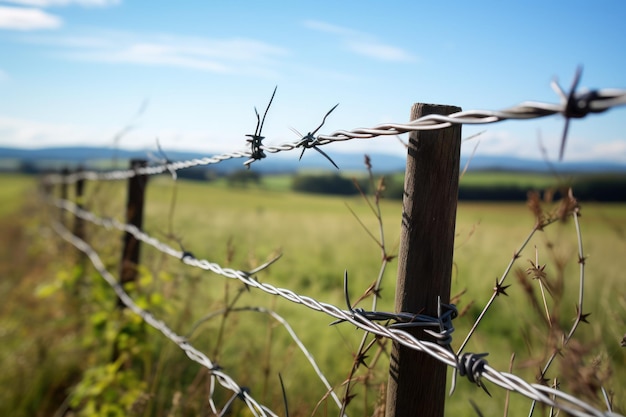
[
  {"x": 63, "y": 195},
  {"x": 134, "y": 216},
  {"x": 79, "y": 223},
  {"x": 417, "y": 382}
]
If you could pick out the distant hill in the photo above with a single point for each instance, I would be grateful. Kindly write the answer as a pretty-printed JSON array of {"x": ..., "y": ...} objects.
[{"x": 104, "y": 158}]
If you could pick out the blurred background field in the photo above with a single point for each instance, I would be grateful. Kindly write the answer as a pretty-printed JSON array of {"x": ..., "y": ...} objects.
[{"x": 55, "y": 308}]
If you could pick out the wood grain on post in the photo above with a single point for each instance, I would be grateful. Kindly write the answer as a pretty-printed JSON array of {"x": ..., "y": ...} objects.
[
  {"x": 134, "y": 216},
  {"x": 417, "y": 382}
]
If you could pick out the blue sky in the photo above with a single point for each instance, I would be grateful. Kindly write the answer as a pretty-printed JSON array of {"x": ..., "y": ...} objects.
[{"x": 78, "y": 71}]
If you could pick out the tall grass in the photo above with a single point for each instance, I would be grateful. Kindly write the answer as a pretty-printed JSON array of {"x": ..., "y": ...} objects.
[{"x": 319, "y": 238}]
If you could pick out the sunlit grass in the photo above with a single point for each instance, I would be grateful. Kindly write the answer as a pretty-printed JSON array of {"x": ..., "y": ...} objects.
[
  {"x": 319, "y": 239},
  {"x": 12, "y": 191}
]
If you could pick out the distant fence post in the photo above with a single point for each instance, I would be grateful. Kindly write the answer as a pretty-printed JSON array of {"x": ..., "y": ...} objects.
[
  {"x": 64, "y": 173},
  {"x": 134, "y": 216},
  {"x": 79, "y": 223},
  {"x": 417, "y": 382}
]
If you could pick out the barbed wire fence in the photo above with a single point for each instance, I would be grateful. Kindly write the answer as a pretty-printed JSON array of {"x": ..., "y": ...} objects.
[{"x": 393, "y": 326}]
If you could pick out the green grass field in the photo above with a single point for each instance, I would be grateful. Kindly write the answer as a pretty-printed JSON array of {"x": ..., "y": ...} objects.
[
  {"x": 319, "y": 238},
  {"x": 12, "y": 192}
]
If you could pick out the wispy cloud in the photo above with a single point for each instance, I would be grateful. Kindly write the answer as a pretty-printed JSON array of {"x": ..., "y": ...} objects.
[
  {"x": 506, "y": 143},
  {"x": 3, "y": 75},
  {"x": 34, "y": 134},
  {"x": 380, "y": 51},
  {"x": 20, "y": 18},
  {"x": 231, "y": 55},
  {"x": 52, "y": 3},
  {"x": 362, "y": 43},
  {"x": 580, "y": 149}
]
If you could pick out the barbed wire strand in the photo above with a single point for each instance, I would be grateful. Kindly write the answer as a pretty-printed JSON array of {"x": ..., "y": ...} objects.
[
  {"x": 479, "y": 367},
  {"x": 573, "y": 105},
  {"x": 194, "y": 354}
]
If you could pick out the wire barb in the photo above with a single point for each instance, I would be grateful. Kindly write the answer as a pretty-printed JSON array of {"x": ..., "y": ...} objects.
[
  {"x": 310, "y": 140},
  {"x": 576, "y": 105},
  {"x": 256, "y": 140}
]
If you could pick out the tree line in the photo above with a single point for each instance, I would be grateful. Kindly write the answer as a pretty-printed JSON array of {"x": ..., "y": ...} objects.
[{"x": 601, "y": 188}]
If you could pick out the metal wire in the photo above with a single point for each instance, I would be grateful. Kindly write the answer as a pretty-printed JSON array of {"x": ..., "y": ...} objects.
[
  {"x": 572, "y": 105},
  {"x": 508, "y": 381}
]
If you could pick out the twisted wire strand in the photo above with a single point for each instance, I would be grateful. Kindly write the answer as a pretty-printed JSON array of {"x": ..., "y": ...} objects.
[
  {"x": 508, "y": 381},
  {"x": 595, "y": 101},
  {"x": 194, "y": 354}
]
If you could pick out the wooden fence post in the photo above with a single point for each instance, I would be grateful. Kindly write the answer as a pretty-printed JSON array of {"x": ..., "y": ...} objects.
[
  {"x": 417, "y": 382},
  {"x": 64, "y": 173},
  {"x": 134, "y": 216},
  {"x": 79, "y": 223}
]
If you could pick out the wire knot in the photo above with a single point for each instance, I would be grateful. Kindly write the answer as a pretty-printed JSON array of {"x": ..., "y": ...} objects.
[
  {"x": 578, "y": 105},
  {"x": 256, "y": 150},
  {"x": 444, "y": 336},
  {"x": 472, "y": 365},
  {"x": 187, "y": 254},
  {"x": 307, "y": 142},
  {"x": 243, "y": 392}
]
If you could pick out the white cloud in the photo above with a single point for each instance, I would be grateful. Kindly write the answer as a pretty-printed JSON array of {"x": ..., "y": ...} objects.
[
  {"x": 35, "y": 134},
  {"x": 18, "y": 18},
  {"x": 3, "y": 75},
  {"x": 379, "y": 51},
  {"x": 361, "y": 43},
  {"x": 233, "y": 55},
  {"x": 155, "y": 54},
  {"x": 501, "y": 142},
  {"x": 579, "y": 149},
  {"x": 51, "y": 3},
  {"x": 611, "y": 148},
  {"x": 508, "y": 143}
]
